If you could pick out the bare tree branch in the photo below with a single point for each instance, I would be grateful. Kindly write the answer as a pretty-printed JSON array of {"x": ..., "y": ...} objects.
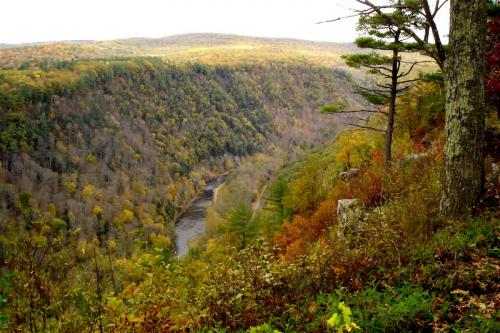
[
  {"x": 408, "y": 81},
  {"x": 417, "y": 62},
  {"x": 408, "y": 72},
  {"x": 438, "y": 7},
  {"x": 366, "y": 127},
  {"x": 358, "y": 111},
  {"x": 338, "y": 18},
  {"x": 388, "y": 86},
  {"x": 435, "y": 33}
]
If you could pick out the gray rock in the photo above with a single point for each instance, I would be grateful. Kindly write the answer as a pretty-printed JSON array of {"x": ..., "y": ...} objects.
[
  {"x": 347, "y": 175},
  {"x": 350, "y": 213},
  {"x": 415, "y": 157}
]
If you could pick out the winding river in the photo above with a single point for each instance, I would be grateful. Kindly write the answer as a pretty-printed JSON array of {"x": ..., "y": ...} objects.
[{"x": 192, "y": 222}]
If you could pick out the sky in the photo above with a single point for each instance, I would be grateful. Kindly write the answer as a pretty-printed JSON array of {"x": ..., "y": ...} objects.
[{"x": 24, "y": 21}]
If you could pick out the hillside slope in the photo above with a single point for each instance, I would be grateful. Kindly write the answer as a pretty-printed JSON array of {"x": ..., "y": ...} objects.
[{"x": 118, "y": 147}]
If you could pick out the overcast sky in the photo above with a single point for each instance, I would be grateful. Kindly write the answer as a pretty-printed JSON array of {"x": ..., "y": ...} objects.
[{"x": 50, "y": 20}]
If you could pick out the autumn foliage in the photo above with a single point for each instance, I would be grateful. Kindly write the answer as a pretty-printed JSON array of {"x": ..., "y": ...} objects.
[{"x": 493, "y": 56}]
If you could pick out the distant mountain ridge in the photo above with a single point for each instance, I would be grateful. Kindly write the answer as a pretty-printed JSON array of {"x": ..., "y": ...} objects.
[
  {"x": 179, "y": 39},
  {"x": 211, "y": 48},
  {"x": 217, "y": 38}
]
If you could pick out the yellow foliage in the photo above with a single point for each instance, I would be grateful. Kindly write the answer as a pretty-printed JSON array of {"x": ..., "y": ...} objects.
[
  {"x": 45, "y": 230},
  {"x": 40, "y": 241},
  {"x": 97, "y": 211},
  {"x": 115, "y": 304},
  {"x": 52, "y": 209},
  {"x": 71, "y": 216},
  {"x": 75, "y": 159},
  {"x": 403, "y": 145},
  {"x": 160, "y": 241},
  {"x": 88, "y": 191},
  {"x": 172, "y": 192},
  {"x": 61, "y": 147},
  {"x": 124, "y": 217},
  {"x": 71, "y": 187},
  {"x": 212, "y": 220},
  {"x": 81, "y": 250},
  {"x": 354, "y": 148},
  {"x": 111, "y": 245},
  {"x": 211, "y": 244},
  {"x": 127, "y": 215},
  {"x": 91, "y": 159},
  {"x": 127, "y": 204},
  {"x": 160, "y": 220},
  {"x": 138, "y": 187}
]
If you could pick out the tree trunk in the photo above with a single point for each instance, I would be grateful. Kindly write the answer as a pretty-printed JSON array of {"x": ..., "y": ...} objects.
[
  {"x": 392, "y": 104},
  {"x": 465, "y": 114},
  {"x": 441, "y": 54}
]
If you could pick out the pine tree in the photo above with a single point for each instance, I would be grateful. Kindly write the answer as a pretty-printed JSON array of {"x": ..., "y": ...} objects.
[
  {"x": 240, "y": 224},
  {"x": 463, "y": 65},
  {"x": 383, "y": 35}
]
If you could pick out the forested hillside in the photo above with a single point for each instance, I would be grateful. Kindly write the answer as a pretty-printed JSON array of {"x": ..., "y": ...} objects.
[
  {"x": 125, "y": 144},
  {"x": 103, "y": 155},
  {"x": 345, "y": 200}
]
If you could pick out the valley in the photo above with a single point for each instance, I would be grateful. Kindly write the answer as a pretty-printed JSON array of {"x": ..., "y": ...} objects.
[
  {"x": 109, "y": 153},
  {"x": 223, "y": 183},
  {"x": 112, "y": 144}
]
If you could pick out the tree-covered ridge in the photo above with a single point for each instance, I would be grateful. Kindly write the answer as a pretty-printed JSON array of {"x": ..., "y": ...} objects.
[
  {"x": 213, "y": 48},
  {"x": 118, "y": 147}
]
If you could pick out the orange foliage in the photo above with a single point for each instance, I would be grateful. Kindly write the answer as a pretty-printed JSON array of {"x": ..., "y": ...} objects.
[
  {"x": 368, "y": 186},
  {"x": 377, "y": 158},
  {"x": 419, "y": 147},
  {"x": 438, "y": 151},
  {"x": 419, "y": 133},
  {"x": 295, "y": 237},
  {"x": 326, "y": 214}
]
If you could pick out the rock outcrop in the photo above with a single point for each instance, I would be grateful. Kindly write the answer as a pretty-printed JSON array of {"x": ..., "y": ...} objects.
[
  {"x": 350, "y": 213},
  {"x": 347, "y": 175}
]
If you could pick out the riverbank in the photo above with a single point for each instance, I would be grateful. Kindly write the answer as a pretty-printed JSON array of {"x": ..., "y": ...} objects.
[{"x": 192, "y": 221}]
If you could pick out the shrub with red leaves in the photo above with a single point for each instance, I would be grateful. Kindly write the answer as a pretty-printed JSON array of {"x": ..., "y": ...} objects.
[{"x": 493, "y": 56}]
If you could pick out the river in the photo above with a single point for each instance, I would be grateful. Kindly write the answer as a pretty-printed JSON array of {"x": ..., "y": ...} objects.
[{"x": 192, "y": 222}]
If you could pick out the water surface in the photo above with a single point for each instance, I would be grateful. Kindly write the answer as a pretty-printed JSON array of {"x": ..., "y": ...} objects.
[{"x": 192, "y": 222}]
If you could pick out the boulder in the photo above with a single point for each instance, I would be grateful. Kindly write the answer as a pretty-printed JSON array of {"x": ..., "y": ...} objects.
[
  {"x": 415, "y": 157},
  {"x": 347, "y": 175},
  {"x": 350, "y": 213}
]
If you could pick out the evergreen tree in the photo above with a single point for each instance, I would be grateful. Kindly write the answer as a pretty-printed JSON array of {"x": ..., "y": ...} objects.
[
  {"x": 463, "y": 64},
  {"x": 240, "y": 224},
  {"x": 383, "y": 35}
]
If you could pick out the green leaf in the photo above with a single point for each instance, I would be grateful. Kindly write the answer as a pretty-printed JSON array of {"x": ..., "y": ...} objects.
[
  {"x": 332, "y": 108},
  {"x": 365, "y": 60},
  {"x": 375, "y": 99}
]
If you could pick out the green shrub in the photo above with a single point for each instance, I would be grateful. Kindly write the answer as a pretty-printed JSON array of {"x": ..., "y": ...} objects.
[{"x": 392, "y": 309}]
